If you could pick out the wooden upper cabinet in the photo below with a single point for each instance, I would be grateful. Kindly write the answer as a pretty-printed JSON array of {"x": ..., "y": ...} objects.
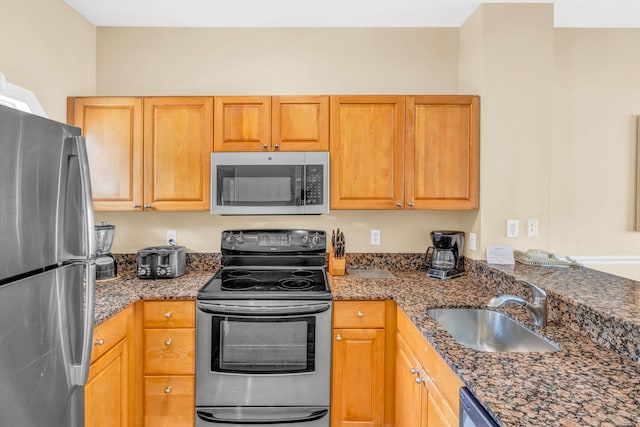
[
  {"x": 242, "y": 123},
  {"x": 178, "y": 140},
  {"x": 442, "y": 152},
  {"x": 300, "y": 123},
  {"x": 367, "y": 152},
  {"x": 112, "y": 128}
]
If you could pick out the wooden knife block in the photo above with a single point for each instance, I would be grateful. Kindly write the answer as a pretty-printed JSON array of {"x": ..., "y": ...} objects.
[{"x": 336, "y": 265}]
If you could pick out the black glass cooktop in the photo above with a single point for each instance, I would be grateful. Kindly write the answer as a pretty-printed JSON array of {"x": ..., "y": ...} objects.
[{"x": 267, "y": 284}]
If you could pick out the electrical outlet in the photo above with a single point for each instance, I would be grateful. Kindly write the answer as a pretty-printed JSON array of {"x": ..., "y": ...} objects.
[
  {"x": 171, "y": 237},
  {"x": 532, "y": 227},
  {"x": 375, "y": 237},
  {"x": 512, "y": 228},
  {"x": 472, "y": 241}
]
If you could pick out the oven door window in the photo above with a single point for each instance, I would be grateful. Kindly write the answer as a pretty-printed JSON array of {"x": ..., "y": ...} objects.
[
  {"x": 260, "y": 185},
  {"x": 263, "y": 345}
]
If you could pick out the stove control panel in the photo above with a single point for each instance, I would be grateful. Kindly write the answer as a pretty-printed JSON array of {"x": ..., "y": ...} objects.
[{"x": 270, "y": 241}]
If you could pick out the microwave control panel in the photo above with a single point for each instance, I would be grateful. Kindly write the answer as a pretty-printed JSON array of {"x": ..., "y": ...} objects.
[{"x": 314, "y": 185}]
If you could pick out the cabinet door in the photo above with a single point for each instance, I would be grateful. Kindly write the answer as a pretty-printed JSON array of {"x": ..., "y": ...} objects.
[
  {"x": 408, "y": 404},
  {"x": 357, "y": 397},
  {"x": 442, "y": 152},
  {"x": 112, "y": 128},
  {"x": 300, "y": 123},
  {"x": 242, "y": 123},
  {"x": 367, "y": 152},
  {"x": 106, "y": 392},
  {"x": 177, "y": 152},
  {"x": 169, "y": 401}
]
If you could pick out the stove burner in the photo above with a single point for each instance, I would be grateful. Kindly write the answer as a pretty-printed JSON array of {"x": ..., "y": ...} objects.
[
  {"x": 295, "y": 284},
  {"x": 302, "y": 273},
  {"x": 239, "y": 273},
  {"x": 239, "y": 284}
]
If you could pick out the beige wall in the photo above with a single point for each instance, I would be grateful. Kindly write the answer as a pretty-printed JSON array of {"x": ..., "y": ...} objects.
[
  {"x": 597, "y": 100},
  {"x": 48, "y": 48},
  {"x": 152, "y": 61},
  {"x": 506, "y": 56}
]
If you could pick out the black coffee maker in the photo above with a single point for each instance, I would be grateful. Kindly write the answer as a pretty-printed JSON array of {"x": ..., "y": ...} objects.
[{"x": 444, "y": 259}]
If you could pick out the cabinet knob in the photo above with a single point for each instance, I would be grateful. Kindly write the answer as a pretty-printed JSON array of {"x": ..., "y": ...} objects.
[
  {"x": 147, "y": 206},
  {"x": 276, "y": 146},
  {"x": 338, "y": 337},
  {"x": 359, "y": 313},
  {"x": 411, "y": 204},
  {"x": 168, "y": 314},
  {"x": 414, "y": 371},
  {"x": 168, "y": 389},
  {"x": 168, "y": 342},
  {"x": 265, "y": 146},
  {"x": 420, "y": 380},
  {"x": 136, "y": 206},
  {"x": 399, "y": 204},
  {"x": 98, "y": 341}
]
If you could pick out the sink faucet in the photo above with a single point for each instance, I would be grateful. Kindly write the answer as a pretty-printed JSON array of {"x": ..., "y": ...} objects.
[{"x": 538, "y": 308}]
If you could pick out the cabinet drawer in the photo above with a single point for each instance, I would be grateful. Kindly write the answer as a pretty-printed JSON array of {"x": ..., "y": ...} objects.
[
  {"x": 169, "y": 314},
  {"x": 358, "y": 314},
  {"x": 169, "y": 401},
  {"x": 169, "y": 351},
  {"x": 109, "y": 333}
]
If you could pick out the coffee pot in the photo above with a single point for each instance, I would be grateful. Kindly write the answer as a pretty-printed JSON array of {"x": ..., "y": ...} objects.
[{"x": 444, "y": 259}]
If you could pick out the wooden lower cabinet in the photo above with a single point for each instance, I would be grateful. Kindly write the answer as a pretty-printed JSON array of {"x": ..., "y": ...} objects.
[
  {"x": 169, "y": 363},
  {"x": 110, "y": 384},
  {"x": 106, "y": 392},
  {"x": 426, "y": 388},
  {"x": 410, "y": 396},
  {"x": 358, "y": 378},
  {"x": 362, "y": 363}
]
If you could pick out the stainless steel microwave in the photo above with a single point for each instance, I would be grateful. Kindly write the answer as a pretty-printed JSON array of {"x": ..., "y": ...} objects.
[{"x": 273, "y": 183}]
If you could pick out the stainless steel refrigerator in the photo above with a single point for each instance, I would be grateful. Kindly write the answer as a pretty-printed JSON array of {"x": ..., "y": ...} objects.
[{"x": 47, "y": 274}]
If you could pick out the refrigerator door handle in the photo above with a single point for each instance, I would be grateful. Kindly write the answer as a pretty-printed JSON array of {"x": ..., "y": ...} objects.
[
  {"x": 80, "y": 373},
  {"x": 85, "y": 179}
]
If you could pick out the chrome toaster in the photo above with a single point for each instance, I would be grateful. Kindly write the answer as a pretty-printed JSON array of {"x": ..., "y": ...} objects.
[{"x": 161, "y": 262}]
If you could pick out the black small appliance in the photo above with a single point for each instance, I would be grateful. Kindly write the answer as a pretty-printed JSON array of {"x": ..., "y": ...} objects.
[{"x": 444, "y": 260}]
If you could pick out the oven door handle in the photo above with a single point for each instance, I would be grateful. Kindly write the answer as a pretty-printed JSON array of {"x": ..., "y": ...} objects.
[
  {"x": 209, "y": 416},
  {"x": 280, "y": 310}
]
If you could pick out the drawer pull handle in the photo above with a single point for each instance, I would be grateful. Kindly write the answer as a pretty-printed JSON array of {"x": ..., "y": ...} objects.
[
  {"x": 338, "y": 337},
  {"x": 265, "y": 146},
  {"x": 168, "y": 342},
  {"x": 420, "y": 380},
  {"x": 359, "y": 313},
  {"x": 414, "y": 371},
  {"x": 168, "y": 314},
  {"x": 168, "y": 389},
  {"x": 98, "y": 341}
]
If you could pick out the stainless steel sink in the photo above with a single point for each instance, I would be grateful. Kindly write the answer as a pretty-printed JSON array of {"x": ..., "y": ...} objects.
[{"x": 486, "y": 330}]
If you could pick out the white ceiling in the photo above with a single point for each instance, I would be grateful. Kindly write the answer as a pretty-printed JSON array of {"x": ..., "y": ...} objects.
[{"x": 337, "y": 13}]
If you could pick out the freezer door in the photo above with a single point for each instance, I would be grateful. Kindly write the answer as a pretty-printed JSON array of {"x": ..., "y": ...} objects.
[
  {"x": 41, "y": 336},
  {"x": 42, "y": 214}
]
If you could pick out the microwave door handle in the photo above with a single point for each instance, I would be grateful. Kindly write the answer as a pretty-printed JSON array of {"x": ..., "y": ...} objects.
[{"x": 209, "y": 416}]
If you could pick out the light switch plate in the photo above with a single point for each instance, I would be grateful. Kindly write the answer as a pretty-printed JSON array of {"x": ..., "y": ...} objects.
[
  {"x": 375, "y": 237},
  {"x": 512, "y": 228},
  {"x": 472, "y": 241}
]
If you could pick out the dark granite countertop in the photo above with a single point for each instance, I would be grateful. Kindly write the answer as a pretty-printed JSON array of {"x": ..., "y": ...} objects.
[
  {"x": 583, "y": 384},
  {"x": 594, "y": 380}
]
